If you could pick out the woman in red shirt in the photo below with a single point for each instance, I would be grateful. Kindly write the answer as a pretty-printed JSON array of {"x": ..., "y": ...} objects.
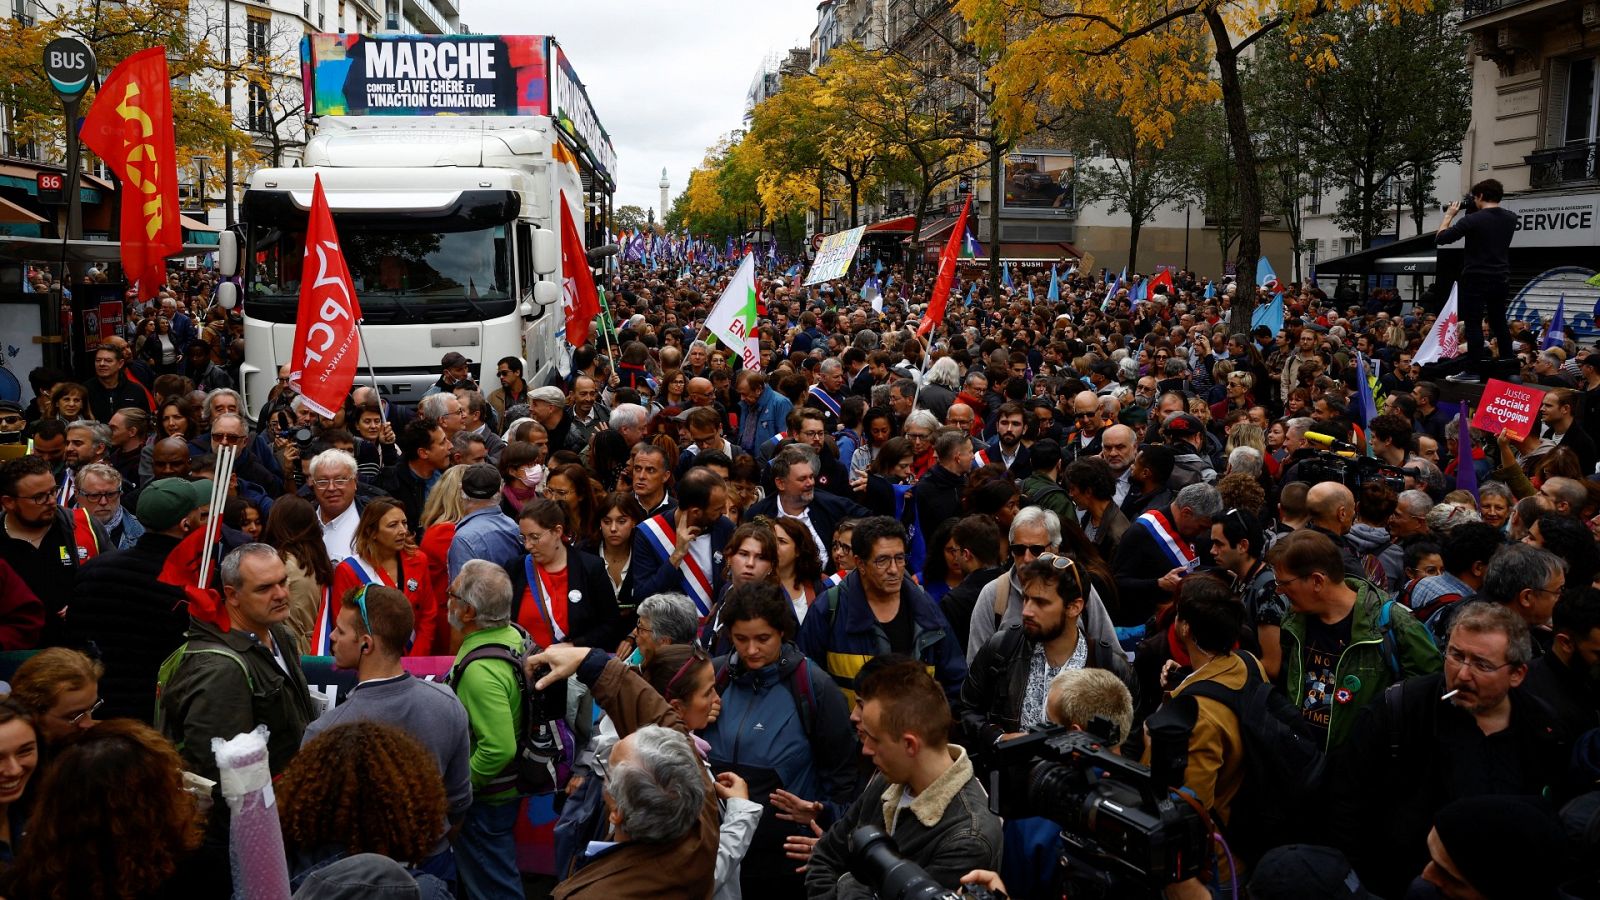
[
  {"x": 386, "y": 554},
  {"x": 560, "y": 595}
]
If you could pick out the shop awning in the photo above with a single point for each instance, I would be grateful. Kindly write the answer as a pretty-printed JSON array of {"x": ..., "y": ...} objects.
[
  {"x": 1047, "y": 251},
  {"x": 12, "y": 214},
  {"x": 1412, "y": 256},
  {"x": 937, "y": 229},
  {"x": 197, "y": 225},
  {"x": 902, "y": 225}
]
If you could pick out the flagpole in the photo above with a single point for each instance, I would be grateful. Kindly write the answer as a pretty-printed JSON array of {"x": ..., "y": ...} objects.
[{"x": 371, "y": 372}]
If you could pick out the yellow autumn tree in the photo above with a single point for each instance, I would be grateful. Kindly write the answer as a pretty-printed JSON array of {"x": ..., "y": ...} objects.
[{"x": 1150, "y": 60}]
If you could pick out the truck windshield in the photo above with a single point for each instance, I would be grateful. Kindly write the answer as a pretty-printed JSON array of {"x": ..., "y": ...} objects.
[{"x": 401, "y": 275}]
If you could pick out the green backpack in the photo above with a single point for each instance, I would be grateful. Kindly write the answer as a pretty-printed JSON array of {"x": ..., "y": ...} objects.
[{"x": 171, "y": 665}]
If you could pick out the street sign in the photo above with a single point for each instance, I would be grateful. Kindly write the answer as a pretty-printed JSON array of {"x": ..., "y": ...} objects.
[
  {"x": 70, "y": 66},
  {"x": 52, "y": 188}
]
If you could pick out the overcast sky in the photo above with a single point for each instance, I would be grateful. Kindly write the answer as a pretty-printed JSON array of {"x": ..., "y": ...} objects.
[{"x": 667, "y": 78}]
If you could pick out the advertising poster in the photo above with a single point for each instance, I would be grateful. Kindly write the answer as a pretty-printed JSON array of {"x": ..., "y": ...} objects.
[
  {"x": 1040, "y": 181},
  {"x": 433, "y": 75}
]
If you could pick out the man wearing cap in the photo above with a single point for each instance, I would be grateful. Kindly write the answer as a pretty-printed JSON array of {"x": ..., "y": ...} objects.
[
  {"x": 455, "y": 372},
  {"x": 484, "y": 532},
  {"x": 12, "y": 422},
  {"x": 548, "y": 406},
  {"x": 1187, "y": 437},
  {"x": 120, "y": 607}
]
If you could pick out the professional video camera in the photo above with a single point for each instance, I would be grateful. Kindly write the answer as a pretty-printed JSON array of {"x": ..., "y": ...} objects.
[
  {"x": 1125, "y": 832},
  {"x": 1344, "y": 463},
  {"x": 875, "y": 860}
]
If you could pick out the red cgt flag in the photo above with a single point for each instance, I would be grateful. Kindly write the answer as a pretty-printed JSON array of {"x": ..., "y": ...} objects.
[
  {"x": 326, "y": 337},
  {"x": 1164, "y": 277},
  {"x": 130, "y": 127},
  {"x": 947, "y": 273},
  {"x": 578, "y": 295}
]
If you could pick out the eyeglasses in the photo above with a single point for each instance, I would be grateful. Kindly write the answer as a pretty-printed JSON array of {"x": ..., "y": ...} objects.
[
  {"x": 913, "y": 436},
  {"x": 1482, "y": 666},
  {"x": 885, "y": 563},
  {"x": 361, "y": 604},
  {"x": 88, "y": 713},
  {"x": 226, "y": 439},
  {"x": 41, "y": 498},
  {"x": 837, "y": 546},
  {"x": 99, "y": 496},
  {"x": 1025, "y": 549},
  {"x": 325, "y": 483}
]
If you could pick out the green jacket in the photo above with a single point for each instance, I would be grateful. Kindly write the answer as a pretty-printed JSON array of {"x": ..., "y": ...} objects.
[
  {"x": 228, "y": 683},
  {"x": 488, "y": 689},
  {"x": 1057, "y": 501},
  {"x": 1362, "y": 669}
]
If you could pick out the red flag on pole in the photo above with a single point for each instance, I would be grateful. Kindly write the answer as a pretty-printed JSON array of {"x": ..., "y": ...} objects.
[
  {"x": 947, "y": 272},
  {"x": 130, "y": 127},
  {"x": 1163, "y": 277},
  {"x": 326, "y": 337},
  {"x": 578, "y": 295}
]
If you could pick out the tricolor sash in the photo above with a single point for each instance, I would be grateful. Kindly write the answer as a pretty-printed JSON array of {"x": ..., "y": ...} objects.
[
  {"x": 661, "y": 535},
  {"x": 322, "y": 634},
  {"x": 1177, "y": 550},
  {"x": 540, "y": 591},
  {"x": 980, "y": 459},
  {"x": 825, "y": 399},
  {"x": 836, "y": 578}
]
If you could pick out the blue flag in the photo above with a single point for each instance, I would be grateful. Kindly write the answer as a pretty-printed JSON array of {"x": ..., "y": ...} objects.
[
  {"x": 1005, "y": 275},
  {"x": 1211, "y": 291},
  {"x": 1055, "y": 286},
  {"x": 916, "y": 546},
  {"x": 1030, "y": 292},
  {"x": 1556, "y": 336},
  {"x": 1265, "y": 277},
  {"x": 1367, "y": 404},
  {"x": 877, "y": 267},
  {"x": 1270, "y": 315},
  {"x": 972, "y": 294}
]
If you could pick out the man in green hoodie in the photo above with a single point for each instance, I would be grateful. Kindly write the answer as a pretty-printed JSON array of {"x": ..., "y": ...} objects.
[
  {"x": 1342, "y": 642},
  {"x": 480, "y": 611}
]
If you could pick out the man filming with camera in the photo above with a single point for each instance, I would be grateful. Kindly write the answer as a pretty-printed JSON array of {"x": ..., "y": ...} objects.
[
  {"x": 923, "y": 795},
  {"x": 1485, "y": 272}
]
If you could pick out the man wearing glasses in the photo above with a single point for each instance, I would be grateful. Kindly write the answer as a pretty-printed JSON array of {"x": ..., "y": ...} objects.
[
  {"x": 1475, "y": 731},
  {"x": 878, "y": 606},
  {"x": 1084, "y": 440},
  {"x": 333, "y": 488},
  {"x": 1342, "y": 642},
  {"x": 100, "y": 496},
  {"x": 1158, "y": 551},
  {"x": 42, "y": 542}
]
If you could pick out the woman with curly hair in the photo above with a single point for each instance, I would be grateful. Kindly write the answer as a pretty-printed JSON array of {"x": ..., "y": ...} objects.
[
  {"x": 363, "y": 787},
  {"x": 117, "y": 792}
]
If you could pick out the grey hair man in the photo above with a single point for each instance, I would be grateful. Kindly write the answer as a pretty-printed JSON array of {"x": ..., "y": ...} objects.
[
  {"x": 629, "y": 421},
  {"x": 1410, "y": 515},
  {"x": 100, "y": 492},
  {"x": 1035, "y": 530},
  {"x": 1158, "y": 551},
  {"x": 655, "y": 788},
  {"x": 88, "y": 442},
  {"x": 1529, "y": 581},
  {"x": 479, "y": 610},
  {"x": 444, "y": 409},
  {"x": 334, "y": 488},
  {"x": 1246, "y": 460}
]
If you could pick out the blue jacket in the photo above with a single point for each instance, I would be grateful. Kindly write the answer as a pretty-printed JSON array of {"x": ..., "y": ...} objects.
[
  {"x": 841, "y": 632},
  {"x": 760, "y": 726},
  {"x": 770, "y": 415}
]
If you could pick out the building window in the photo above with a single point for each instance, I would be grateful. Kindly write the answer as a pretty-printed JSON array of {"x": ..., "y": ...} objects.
[
  {"x": 255, "y": 37},
  {"x": 1314, "y": 207},
  {"x": 1351, "y": 245},
  {"x": 260, "y": 113},
  {"x": 1582, "y": 110}
]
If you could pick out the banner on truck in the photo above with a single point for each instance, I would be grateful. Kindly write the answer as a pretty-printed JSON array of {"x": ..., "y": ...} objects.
[{"x": 432, "y": 75}]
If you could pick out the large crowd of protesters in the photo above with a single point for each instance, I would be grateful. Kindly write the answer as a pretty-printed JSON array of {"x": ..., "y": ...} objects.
[{"x": 811, "y": 596}]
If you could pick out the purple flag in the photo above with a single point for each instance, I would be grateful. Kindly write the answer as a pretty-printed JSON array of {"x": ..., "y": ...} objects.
[{"x": 1466, "y": 472}]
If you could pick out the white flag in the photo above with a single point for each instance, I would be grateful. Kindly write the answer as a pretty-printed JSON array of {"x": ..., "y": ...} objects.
[
  {"x": 733, "y": 320},
  {"x": 1441, "y": 342}
]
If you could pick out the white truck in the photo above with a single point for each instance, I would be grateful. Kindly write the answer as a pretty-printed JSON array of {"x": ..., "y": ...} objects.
[{"x": 451, "y": 230}]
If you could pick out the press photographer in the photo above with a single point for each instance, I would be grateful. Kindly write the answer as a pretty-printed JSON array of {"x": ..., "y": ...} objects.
[
  {"x": 945, "y": 826},
  {"x": 1485, "y": 273}
]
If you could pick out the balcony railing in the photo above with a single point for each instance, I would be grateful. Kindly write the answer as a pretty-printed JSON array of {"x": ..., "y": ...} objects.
[
  {"x": 1473, "y": 8},
  {"x": 1574, "y": 163}
]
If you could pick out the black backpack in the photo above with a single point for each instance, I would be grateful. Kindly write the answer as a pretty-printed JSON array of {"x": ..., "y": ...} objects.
[
  {"x": 545, "y": 745},
  {"x": 1284, "y": 763}
]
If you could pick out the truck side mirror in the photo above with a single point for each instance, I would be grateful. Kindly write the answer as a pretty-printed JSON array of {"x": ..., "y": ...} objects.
[
  {"x": 227, "y": 295},
  {"x": 546, "y": 252},
  {"x": 227, "y": 254},
  {"x": 547, "y": 293}
]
